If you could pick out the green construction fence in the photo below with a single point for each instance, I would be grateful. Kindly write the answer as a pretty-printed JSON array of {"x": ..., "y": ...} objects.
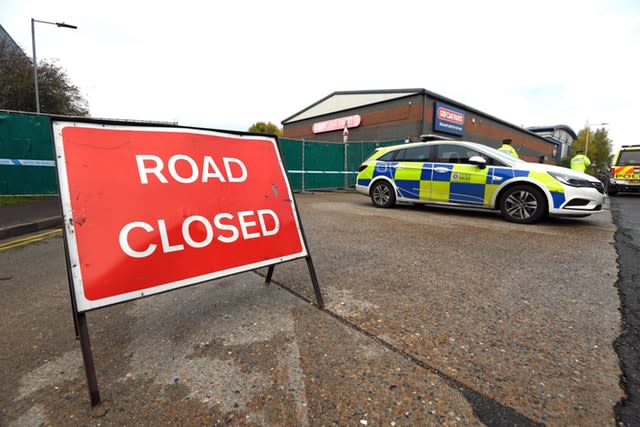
[
  {"x": 318, "y": 165},
  {"x": 27, "y": 164},
  {"x": 26, "y": 155}
]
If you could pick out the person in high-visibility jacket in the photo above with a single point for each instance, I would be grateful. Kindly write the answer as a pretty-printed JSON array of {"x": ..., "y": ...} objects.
[
  {"x": 506, "y": 147},
  {"x": 580, "y": 162}
]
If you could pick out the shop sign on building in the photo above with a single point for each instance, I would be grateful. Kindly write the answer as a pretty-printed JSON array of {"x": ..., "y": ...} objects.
[
  {"x": 336, "y": 124},
  {"x": 448, "y": 119}
]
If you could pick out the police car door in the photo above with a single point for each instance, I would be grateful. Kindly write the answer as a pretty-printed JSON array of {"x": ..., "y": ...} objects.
[
  {"x": 457, "y": 181},
  {"x": 411, "y": 175}
]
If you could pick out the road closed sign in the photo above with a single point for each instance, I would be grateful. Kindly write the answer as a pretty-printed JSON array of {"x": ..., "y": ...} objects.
[{"x": 148, "y": 209}]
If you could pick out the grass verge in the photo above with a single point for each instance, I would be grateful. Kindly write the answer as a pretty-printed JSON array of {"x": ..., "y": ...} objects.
[{"x": 16, "y": 200}]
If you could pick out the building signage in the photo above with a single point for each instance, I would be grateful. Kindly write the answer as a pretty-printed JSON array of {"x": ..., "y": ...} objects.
[
  {"x": 448, "y": 119},
  {"x": 149, "y": 209},
  {"x": 336, "y": 124}
]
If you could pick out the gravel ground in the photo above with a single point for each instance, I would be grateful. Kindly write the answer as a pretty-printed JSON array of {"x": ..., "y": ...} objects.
[{"x": 432, "y": 318}]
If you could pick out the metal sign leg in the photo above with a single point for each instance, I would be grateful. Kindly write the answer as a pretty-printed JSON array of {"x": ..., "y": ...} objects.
[
  {"x": 314, "y": 280},
  {"x": 267, "y": 280},
  {"x": 87, "y": 357}
]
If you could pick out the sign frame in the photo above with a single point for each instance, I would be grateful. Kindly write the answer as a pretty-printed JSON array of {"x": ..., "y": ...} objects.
[
  {"x": 72, "y": 225},
  {"x": 80, "y": 304}
]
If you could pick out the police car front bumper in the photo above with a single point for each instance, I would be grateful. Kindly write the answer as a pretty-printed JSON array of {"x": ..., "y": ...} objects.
[
  {"x": 579, "y": 201},
  {"x": 621, "y": 185}
]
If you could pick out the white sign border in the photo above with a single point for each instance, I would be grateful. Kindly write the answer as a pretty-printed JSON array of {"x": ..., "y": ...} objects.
[{"x": 85, "y": 304}]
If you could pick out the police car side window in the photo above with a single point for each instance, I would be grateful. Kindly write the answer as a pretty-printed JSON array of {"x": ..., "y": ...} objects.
[
  {"x": 413, "y": 154},
  {"x": 450, "y": 153},
  {"x": 388, "y": 157},
  {"x": 490, "y": 160}
]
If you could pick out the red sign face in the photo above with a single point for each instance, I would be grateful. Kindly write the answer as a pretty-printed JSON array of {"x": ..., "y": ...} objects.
[
  {"x": 450, "y": 115},
  {"x": 149, "y": 209}
]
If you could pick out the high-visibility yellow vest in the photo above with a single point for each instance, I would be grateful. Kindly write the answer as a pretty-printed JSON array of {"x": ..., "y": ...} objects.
[
  {"x": 506, "y": 148},
  {"x": 580, "y": 162}
]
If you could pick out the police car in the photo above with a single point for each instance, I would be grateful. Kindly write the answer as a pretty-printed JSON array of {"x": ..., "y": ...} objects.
[
  {"x": 466, "y": 174},
  {"x": 625, "y": 172}
]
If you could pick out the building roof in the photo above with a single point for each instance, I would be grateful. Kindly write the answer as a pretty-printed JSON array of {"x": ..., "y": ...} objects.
[
  {"x": 346, "y": 100},
  {"x": 537, "y": 129}
]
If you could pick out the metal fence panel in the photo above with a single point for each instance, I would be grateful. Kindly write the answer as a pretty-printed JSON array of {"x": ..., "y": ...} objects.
[
  {"x": 315, "y": 165},
  {"x": 26, "y": 155},
  {"x": 27, "y": 160},
  {"x": 291, "y": 151},
  {"x": 323, "y": 166}
]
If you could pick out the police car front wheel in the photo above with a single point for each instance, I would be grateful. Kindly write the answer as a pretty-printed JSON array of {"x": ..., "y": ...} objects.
[
  {"x": 523, "y": 204},
  {"x": 383, "y": 195}
]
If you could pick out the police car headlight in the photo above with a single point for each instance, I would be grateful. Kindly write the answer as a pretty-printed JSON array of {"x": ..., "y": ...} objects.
[{"x": 571, "y": 180}]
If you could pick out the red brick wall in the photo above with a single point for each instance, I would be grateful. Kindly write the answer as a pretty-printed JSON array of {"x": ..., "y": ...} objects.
[{"x": 412, "y": 116}]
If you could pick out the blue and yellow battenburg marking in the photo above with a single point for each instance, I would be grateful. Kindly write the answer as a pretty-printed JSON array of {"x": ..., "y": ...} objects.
[{"x": 449, "y": 183}]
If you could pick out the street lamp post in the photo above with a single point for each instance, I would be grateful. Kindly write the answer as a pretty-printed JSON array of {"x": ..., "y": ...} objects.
[
  {"x": 35, "y": 62},
  {"x": 588, "y": 127}
]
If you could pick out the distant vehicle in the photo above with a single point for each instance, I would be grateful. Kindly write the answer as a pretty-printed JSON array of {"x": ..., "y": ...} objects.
[
  {"x": 466, "y": 174},
  {"x": 625, "y": 171}
]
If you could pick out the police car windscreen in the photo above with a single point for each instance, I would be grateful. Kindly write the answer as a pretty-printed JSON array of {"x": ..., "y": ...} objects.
[{"x": 629, "y": 158}]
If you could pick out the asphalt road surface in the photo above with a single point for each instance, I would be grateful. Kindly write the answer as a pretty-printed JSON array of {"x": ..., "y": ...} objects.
[
  {"x": 433, "y": 317},
  {"x": 626, "y": 214}
]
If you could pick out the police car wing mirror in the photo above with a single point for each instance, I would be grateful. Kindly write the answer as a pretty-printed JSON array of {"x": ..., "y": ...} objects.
[{"x": 478, "y": 161}]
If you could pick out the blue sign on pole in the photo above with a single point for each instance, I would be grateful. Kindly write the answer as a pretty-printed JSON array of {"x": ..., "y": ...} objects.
[{"x": 448, "y": 119}]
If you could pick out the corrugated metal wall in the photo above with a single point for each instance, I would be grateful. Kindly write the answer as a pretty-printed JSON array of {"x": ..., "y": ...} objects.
[{"x": 26, "y": 155}]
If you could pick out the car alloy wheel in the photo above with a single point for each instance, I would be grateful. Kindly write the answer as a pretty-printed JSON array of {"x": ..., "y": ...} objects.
[
  {"x": 382, "y": 195},
  {"x": 523, "y": 204}
]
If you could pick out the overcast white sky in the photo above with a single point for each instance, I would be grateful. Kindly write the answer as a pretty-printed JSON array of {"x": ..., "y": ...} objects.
[{"x": 228, "y": 64}]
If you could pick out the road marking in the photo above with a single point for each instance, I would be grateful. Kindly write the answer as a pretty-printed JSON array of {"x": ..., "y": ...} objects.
[{"x": 29, "y": 239}]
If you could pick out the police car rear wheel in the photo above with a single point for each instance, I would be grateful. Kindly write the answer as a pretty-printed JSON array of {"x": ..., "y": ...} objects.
[
  {"x": 382, "y": 195},
  {"x": 523, "y": 204}
]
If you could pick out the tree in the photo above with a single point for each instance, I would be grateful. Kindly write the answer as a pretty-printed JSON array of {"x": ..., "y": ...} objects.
[
  {"x": 16, "y": 79},
  {"x": 57, "y": 94},
  {"x": 267, "y": 128},
  {"x": 598, "y": 150}
]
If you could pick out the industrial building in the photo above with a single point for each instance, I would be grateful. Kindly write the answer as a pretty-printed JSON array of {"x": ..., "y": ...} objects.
[{"x": 411, "y": 114}]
